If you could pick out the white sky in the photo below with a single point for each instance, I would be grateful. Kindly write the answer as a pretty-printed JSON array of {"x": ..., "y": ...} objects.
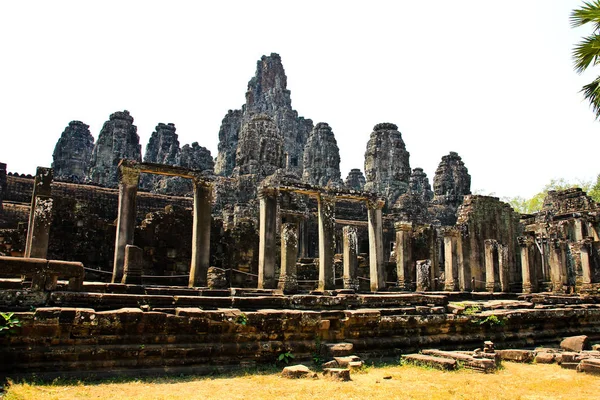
[{"x": 492, "y": 80}]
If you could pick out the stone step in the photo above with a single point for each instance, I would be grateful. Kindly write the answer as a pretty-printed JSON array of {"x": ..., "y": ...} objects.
[{"x": 589, "y": 365}]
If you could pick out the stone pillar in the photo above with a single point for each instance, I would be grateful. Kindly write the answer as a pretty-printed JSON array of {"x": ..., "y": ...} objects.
[
  {"x": 503, "y": 268},
  {"x": 134, "y": 262},
  {"x": 288, "y": 281},
  {"x": 525, "y": 267},
  {"x": 266, "y": 245},
  {"x": 403, "y": 254},
  {"x": 586, "y": 272},
  {"x": 326, "y": 211},
  {"x": 2, "y": 183},
  {"x": 558, "y": 268},
  {"x": 463, "y": 265},
  {"x": 450, "y": 261},
  {"x": 423, "y": 275},
  {"x": 40, "y": 215},
  {"x": 350, "y": 257},
  {"x": 200, "y": 233},
  {"x": 129, "y": 179},
  {"x": 490, "y": 277},
  {"x": 377, "y": 272}
]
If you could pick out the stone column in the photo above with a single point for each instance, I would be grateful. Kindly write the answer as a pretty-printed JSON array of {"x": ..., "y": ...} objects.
[
  {"x": 129, "y": 179},
  {"x": 490, "y": 277},
  {"x": 557, "y": 263},
  {"x": 463, "y": 265},
  {"x": 326, "y": 211},
  {"x": 403, "y": 254},
  {"x": 503, "y": 268},
  {"x": 423, "y": 275},
  {"x": 2, "y": 183},
  {"x": 377, "y": 272},
  {"x": 350, "y": 257},
  {"x": 586, "y": 272},
  {"x": 134, "y": 262},
  {"x": 200, "y": 233},
  {"x": 525, "y": 267},
  {"x": 288, "y": 281},
  {"x": 40, "y": 215},
  {"x": 266, "y": 245},
  {"x": 450, "y": 261}
]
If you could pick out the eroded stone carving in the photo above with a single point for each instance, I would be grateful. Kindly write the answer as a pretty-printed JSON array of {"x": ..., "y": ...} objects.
[{"x": 71, "y": 157}]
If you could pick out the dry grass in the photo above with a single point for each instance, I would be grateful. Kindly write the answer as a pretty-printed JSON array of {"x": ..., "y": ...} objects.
[{"x": 514, "y": 381}]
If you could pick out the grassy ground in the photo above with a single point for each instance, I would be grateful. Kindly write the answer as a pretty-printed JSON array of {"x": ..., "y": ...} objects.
[{"x": 514, "y": 381}]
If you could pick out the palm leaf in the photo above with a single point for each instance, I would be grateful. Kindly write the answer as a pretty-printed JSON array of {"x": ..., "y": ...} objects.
[
  {"x": 591, "y": 92},
  {"x": 589, "y": 12},
  {"x": 587, "y": 52}
]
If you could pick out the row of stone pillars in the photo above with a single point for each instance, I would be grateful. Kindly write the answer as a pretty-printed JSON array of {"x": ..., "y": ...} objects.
[
  {"x": 129, "y": 179},
  {"x": 326, "y": 220}
]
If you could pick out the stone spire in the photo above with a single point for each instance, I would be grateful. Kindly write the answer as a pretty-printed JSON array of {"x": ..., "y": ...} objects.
[
  {"x": 196, "y": 157},
  {"x": 71, "y": 157},
  {"x": 322, "y": 157},
  {"x": 228, "y": 140},
  {"x": 260, "y": 148},
  {"x": 387, "y": 166},
  {"x": 118, "y": 139},
  {"x": 419, "y": 184},
  {"x": 451, "y": 178},
  {"x": 355, "y": 179},
  {"x": 163, "y": 146},
  {"x": 450, "y": 184},
  {"x": 267, "y": 94}
]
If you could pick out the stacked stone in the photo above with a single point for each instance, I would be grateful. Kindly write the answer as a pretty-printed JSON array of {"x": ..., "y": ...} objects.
[
  {"x": 260, "y": 148},
  {"x": 118, "y": 139},
  {"x": 267, "y": 94},
  {"x": 355, "y": 179},
  {"x": 419, "y": 184},
  {"x": 387, "y": 166},
  {"x": 450, "y": 184},
  {"x": 322, "y": 157},
  {"x": 413, "y": 205},
  {"x": 71, "y": 157},
  {"x": 193, "y": 157}
]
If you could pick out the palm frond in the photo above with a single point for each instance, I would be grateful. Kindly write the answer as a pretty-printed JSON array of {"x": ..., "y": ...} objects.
[
  {"x": 587, "y": 52},
  {"x": 589, "y": 12},
  {"x": 591, "y": 92}
]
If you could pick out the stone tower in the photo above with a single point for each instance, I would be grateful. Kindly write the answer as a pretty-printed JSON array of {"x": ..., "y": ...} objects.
[
  {"x": 267, "y": 94},
  {"x": 162, "y": 148},
  {"x": 355, "y": 179},
  {"x": 71, "y": 157},
  {"x": 260, "y": 148},
  {"x": 118, "y": 139},
  {"x": 387, "y": 166},
  {"x": 196, "y": 157},
  {"x": 322, "y": 157},
  {"x": 419, "y": 184},
  {"x": 450, "y": 184}
]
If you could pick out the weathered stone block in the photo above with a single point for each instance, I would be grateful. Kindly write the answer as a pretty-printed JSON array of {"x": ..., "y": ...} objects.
[
  {"x": 515, "y": 355},
  {"x": 297, "y": 371},
  {"x": 430, "y": 361},
  {"x": 575, "y": 343},
  {"x": 337, "y": 374}
]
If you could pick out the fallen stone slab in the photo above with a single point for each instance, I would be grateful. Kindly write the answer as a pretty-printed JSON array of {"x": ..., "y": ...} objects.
[
  {"x": 297, "y": 371},
  {"x": 355, "y": 365},
  {"x": 589, "y": 365},
  {"x": 470, "y": 362},
  {"x": 339, "y": 349},
  {"x": 545, "y": 358},
  {"x": 516, "y": 355},
  {"x": 330, "y": 364},
  {"x": 431, "y": 361},
  {"x": 575, "y": 343},
  {"x": 337, "y": 374}
]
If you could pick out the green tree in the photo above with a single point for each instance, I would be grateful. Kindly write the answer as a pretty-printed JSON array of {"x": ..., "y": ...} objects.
[{"x": 587, "y": 52}]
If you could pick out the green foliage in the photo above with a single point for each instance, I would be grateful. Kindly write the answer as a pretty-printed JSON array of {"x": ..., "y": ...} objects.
[
  {"x": 471, "y": 310},
  {"x": 317, "y": 358},
  {"x": 587, "y": 52},
  {"x": 490, "y": 320},
  {"x": 285, "y": 357},
  {"x": 242, "y": 319},
  {"x": 8, "y": 323}
]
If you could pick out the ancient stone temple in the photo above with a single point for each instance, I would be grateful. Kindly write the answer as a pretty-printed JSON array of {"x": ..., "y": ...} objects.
[
  {"x": 387, "y": 166},
  {"x": 267, "y": 94},
  {"x": 162, "y": 148},
  {"x": 118, "y": 139},
  {"x": 450, "y": 184},
  {"x": 71, "y": 157},
  {"x": 321, "y": 157},
  {"x": 355, "y": 179}
]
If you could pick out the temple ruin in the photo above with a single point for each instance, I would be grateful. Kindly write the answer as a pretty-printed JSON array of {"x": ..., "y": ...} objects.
[{"x": 106, "y": 251}]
